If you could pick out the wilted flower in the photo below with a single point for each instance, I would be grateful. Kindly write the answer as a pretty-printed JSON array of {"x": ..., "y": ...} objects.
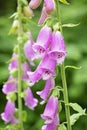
[
  {"x": 58, "y": 48},
  {"x": 43, "y": 41},
  {"x": 30, "y": 101}
]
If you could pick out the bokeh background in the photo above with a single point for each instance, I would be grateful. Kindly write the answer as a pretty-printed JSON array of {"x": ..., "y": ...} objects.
[{"x": 76, "y": 41}]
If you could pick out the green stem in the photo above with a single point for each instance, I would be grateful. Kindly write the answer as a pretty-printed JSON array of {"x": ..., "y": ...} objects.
[
  {"x": 65, "y": 93},
  {"x": 19, "y": 62}
]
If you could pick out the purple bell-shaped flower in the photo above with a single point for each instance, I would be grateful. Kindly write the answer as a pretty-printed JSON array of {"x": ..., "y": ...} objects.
[
  {"x": 57, "y": 48},
  {"x": 43, "y": 41},
  {"x": 29, "y": 99}
]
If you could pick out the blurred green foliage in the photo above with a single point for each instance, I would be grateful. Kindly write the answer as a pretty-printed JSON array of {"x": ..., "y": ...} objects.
[{"x": 76, "y": 41}]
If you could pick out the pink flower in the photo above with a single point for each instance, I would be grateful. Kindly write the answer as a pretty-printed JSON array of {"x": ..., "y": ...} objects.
[
  {"x": 43, "y": 16},
  {"x": 28, "y": 50},
  {"x": 8, "y": 114},
  {"x": 14, "y": 62},
  {"x": 30, "y": 101},
  {"x": 34, "y": 4},
  {"x": 10, "y": 86},
  {"x": 43, "y": 41},
  {"x": 34, "y": 77},
  {"x": 58, "y": 48},
  {"x": 50, "y": 5},
  {"x": 47, "y": 67},
  {"x": 48, "y": 86},
  {"x": 53, "y": 125},
  {"x": 51, "y": 109},
  {"x": 25, "y": 67}
]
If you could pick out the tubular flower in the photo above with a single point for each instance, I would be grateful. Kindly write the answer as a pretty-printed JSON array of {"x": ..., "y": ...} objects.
[
  {"x": 34, "y": 76},
  {"x": 34, "y": 4},
  {"x": 53, "y": 125},
  {"x": 43, "y": 16},
  {"x": 8, "y": 114},
  {"x": 58, "y": 48},
  {"x": 10, "y": 86},
  {"x": 47, "y": 67},
  {"x": 50, "y": 5},
  {"x": 48, "y": 86},
  {"x": 43, "y": 41},
  {"x": 28, "y": 50},
  {"x": 14, "y": 62},
  {"x": 25, "y": 67},
  {"x": 30, "y": 101},
  {"x": 51, "y": 109},
  {"x": 45, "y": 70}
]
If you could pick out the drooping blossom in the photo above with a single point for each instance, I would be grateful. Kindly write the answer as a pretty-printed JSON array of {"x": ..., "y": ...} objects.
[
  {"x": 51, "y": 109},
  {"x": 34, "y": 4},
  {"x": 53, "y": 125},
  {"x": 48, "y": 86},
  {"x": 8, "y": 114},
  {"x": 43, "y": 41},
  {"x": 10, "y": 85},
  {"x": 58, "y": 48},
  {"x": 34, "y": 77},
  {"x": 43, "y": 16},
  {"x": 47, "y": 67},
  {"x": 50, "y": 5},
  {"x": 45, "y": 70},
  {"x": 14, "y": 62},
  {"x": 29, "y": 99},
  {"x": 25, "y": 67},
  {"x": 29, "y": 52}
]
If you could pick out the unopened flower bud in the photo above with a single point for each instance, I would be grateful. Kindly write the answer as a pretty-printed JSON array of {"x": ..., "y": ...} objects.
[
  {"x": 27, "y": 11},
  {"x": 34, "y": 4},
  {"x": 14, "y": 28}
]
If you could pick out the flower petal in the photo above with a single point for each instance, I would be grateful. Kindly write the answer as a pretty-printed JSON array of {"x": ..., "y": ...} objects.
[{"x": 30, "y": 101}]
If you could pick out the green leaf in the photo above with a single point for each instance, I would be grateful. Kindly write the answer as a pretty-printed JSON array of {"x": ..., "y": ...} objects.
[
  {"x": 70, "y": 25},
  {"x": 72, "y": 67},
  {"x": 62, "y": 127},
  {"x": 75, "y": 117},
  {"x": 64, "y": 2},
  {"x": 76, "y": 107}
]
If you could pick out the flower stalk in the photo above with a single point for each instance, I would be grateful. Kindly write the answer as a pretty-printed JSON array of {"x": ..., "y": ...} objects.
[
  {"x": 63, "y": 76},
  {"x": 19, "y": 61}
]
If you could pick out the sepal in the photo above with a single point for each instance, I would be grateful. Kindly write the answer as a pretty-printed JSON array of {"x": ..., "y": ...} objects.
[
  {"x": 64, "y": 2},
  {"x": 11, "y": 96}
]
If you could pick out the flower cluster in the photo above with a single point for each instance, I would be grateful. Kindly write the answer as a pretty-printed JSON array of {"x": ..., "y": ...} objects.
[
  {"x": 50, "y": 48},
  {"x": 48, "y": 8},
  {"x": 11, "y": 87}
]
